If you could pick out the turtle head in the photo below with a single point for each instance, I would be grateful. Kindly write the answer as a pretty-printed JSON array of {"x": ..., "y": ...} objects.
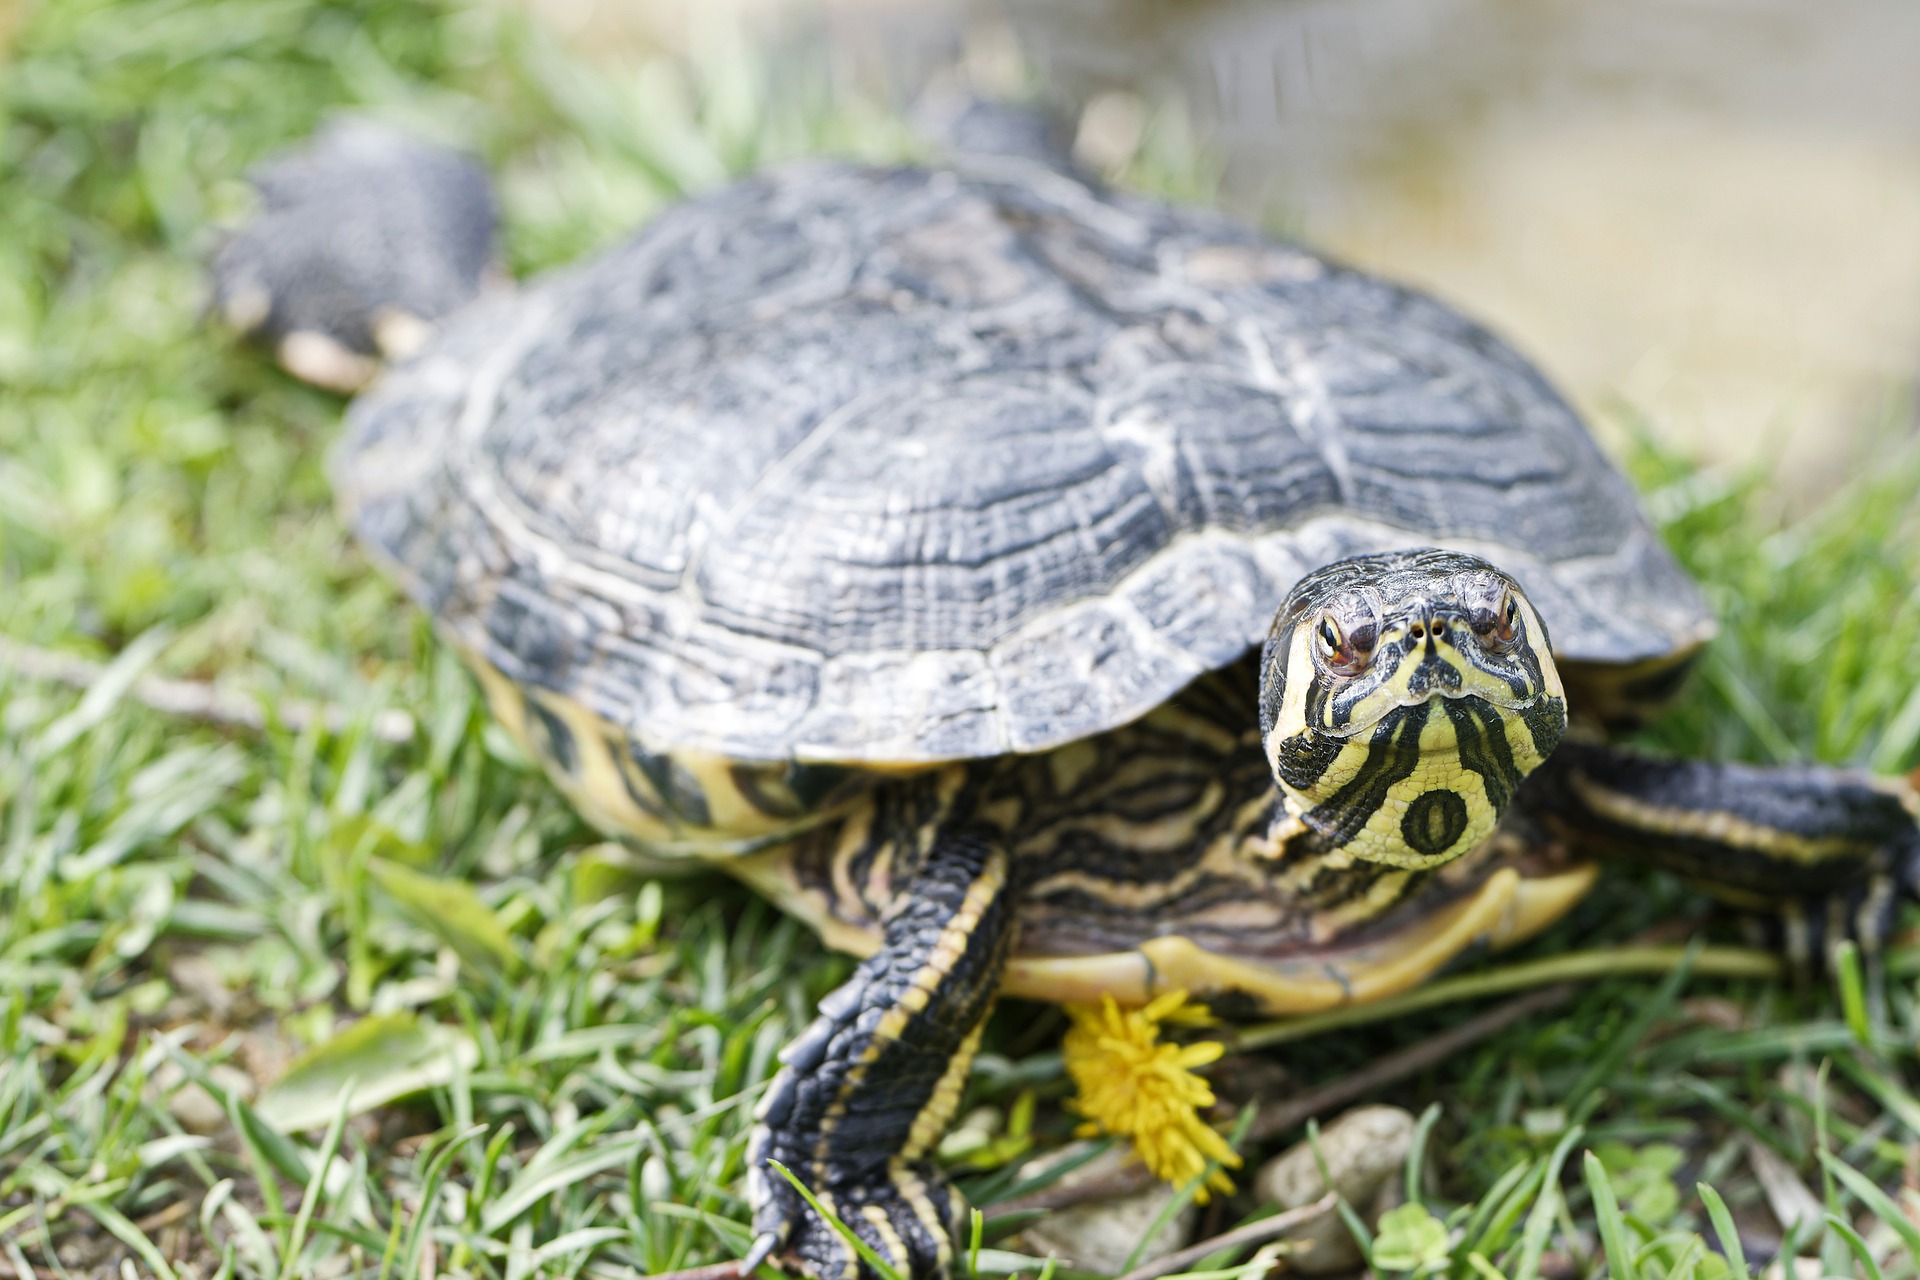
[{"x": 1403, "y": 697}]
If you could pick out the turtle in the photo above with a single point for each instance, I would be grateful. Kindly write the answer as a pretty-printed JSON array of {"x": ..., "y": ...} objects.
[{"x": 1045, "y": 590}]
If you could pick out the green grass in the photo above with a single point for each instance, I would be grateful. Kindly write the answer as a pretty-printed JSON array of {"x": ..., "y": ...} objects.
[{"x": 566, "y": 1056}]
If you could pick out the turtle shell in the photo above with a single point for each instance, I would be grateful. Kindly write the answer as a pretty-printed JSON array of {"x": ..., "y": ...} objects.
[{"x": 897, "y": 466}]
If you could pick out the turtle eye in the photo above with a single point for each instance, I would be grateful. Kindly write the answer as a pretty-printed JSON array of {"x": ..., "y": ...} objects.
[
  {"x": 1499, "y": 627},
  {"x": 1340, "y": 653}
]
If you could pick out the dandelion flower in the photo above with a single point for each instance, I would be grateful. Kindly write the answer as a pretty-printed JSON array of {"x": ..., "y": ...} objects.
[{"x": 1134, "y": 1086}]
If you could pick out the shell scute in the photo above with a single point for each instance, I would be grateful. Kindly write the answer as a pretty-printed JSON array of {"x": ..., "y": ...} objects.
[
  {"x": 1080, "y": 671},
  {"x": 1222, "y": 451},
  {"x": 1201, "y": 595}
]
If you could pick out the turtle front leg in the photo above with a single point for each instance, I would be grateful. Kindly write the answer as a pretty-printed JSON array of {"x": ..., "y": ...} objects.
[
  {"x": 1829, "y": 852},
  {"x": 869, "y": 1088}
]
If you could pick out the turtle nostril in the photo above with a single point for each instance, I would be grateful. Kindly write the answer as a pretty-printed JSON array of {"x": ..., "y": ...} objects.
[
  {"x": 1416, "y": 631},
  {"x": 1440, "y": 627}
]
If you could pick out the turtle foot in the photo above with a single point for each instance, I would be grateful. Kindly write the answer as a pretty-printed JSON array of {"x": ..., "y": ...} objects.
[
  {"x": 906, "y": 1214},
  {"x": 1810, "y": 930}
]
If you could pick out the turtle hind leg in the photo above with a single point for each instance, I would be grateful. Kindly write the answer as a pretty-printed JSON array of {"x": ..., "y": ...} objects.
[
  {"x": 868, "y": 1089},
  {"x": 1828, "y": 853},
  {"x": 366, "y": 239}
]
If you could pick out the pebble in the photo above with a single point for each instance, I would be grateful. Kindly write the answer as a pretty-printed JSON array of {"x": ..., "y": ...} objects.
[
  {"x": 1100, "y": 1236},
  {"x": 1364, "y": 1150},
  {"x": 195, "y": 1108}
]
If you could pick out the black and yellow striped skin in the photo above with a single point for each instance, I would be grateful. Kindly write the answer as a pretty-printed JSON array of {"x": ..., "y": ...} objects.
[
  {"x": 1147, "y": 864},
  {"x": 1411, "y": 759},
  {"x": 1826, "y": 853},
  {"x": 1155, "y": 856},
  {"x": 1286, "y": 835},
  {"x": 675, "y": 804},
  {"x": 868, "y": 1090}
]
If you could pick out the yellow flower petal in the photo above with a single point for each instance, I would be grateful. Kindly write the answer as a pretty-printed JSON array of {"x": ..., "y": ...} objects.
[
  {"x": 1134, "y": 1086},
  {"x": 1162, "y": 1007},
  {"x": 1193, "y": 1015},
  {"x": 1202, "y": 1052}
]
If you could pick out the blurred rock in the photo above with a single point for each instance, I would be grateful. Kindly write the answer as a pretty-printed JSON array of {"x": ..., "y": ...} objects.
[
  {"x": 1102, "y": 1235},
  {"x": 190, "y": 1104},
  {"x": 1111, "y": 128},
  {"x": 1363, "y": 1149},
  {"x": 198, "y": 978}
]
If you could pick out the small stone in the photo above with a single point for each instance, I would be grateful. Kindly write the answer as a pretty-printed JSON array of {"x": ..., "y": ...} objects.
[
  {"x": 194, "y": 1107},
  {"x": 1363, "y": 1149},
  {"x": 1100, "y": 1236},
  {"x": 1111, "y": 129},
  {"x": 199, "y": 978}
]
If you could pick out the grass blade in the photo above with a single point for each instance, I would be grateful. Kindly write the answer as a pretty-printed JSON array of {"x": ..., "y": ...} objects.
[
  {"x": 859, "y": 1246},
  {"x": 1876, "y": 1200},
  {"x": 128, "y": 1234},
  {"x": 1533, "y": 1242},
  {"x": 1856, "y": 1245},
  {"x": 1607, "y": 1215},
  {"x": 1728, "y": 1233},
  {"x": 316, "y": 1185},
  {"x": 1417, "y": 1152},
  {"x": 1853, "y": 993},
  {"x": 1502, "y": 1211}
]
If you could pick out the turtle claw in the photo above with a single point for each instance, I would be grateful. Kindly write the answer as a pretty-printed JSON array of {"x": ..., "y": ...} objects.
[
  {"x": 899, "y": 1213},
  {"x": 1810, "y": 931},
  {"x": 905, "y": 1212},
  {"x": 758, "y": 1252}
]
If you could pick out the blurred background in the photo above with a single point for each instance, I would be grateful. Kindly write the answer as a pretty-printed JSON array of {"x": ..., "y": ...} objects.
[{"x": 1701, "y": 216}]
